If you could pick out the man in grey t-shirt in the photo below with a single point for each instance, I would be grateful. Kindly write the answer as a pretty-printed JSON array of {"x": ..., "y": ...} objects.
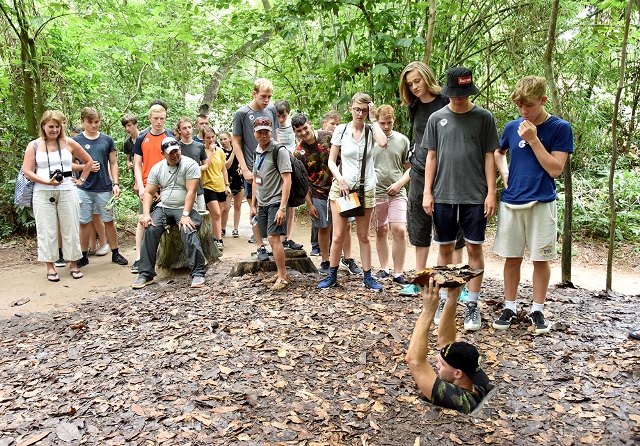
[
  {"x": 460, "y": 179},
  {"x": 244, "y": 141},
  {"x": 177, "y": 177},
  {"x": 271, "y": 187}
]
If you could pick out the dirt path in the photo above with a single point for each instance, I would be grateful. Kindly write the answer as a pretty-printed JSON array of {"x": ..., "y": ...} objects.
[{"x": 103, "y": 277}]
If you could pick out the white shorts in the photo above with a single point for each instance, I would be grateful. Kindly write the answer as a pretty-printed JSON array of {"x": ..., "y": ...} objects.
[{"x": 535, "y": 228}]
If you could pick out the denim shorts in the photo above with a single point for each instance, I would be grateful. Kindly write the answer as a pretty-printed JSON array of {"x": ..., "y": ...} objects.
[
  {"x": 267, "y": 221},
  {"x": 94, "y": 203}
]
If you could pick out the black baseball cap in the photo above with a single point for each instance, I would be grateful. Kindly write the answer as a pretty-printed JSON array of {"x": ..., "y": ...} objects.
[
  {"x": 459, "y": 83},
  {"x": 465, "y": 357}
]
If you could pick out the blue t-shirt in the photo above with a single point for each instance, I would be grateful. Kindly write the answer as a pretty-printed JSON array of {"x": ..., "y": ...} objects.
[
  {"x": 528, "y": 181},
  {"x": 99, "y": 150}
]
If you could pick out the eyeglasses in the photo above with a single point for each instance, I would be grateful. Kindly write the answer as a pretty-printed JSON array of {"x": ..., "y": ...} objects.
[{"x": 359, "y": 110}]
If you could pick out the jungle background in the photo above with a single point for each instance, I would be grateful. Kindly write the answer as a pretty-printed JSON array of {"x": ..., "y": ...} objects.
[{"x": 117, "y": 56}]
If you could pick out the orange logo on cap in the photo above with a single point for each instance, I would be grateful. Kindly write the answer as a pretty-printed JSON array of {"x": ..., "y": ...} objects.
[{"x": 464, "y": 80}]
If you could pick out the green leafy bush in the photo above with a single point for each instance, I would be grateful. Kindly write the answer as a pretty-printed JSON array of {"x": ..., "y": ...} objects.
[{"x": 591, "y": 205}]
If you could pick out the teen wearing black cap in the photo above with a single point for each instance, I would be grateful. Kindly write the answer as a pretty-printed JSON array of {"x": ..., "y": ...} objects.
[
  {"x": 460, "y": 382},
  {"x": 460, "y": 178}
]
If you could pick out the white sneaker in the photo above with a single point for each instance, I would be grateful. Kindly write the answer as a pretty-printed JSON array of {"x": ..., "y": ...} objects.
[
  {"x": 472, "y": 319},
  {"x": 103, "y": 250}
]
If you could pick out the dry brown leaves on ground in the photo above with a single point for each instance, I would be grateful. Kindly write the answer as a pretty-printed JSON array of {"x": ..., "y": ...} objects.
[{"x": 234, "y": 363}]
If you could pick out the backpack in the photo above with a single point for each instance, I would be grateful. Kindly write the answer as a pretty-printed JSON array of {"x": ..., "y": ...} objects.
[{"x": 299, "y": 178}]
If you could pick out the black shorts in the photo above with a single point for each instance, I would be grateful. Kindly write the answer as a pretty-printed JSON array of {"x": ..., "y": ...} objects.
[
  {"x": 418, "y": 224},
  {"x": 448, "y": 219},
  {"x": 235, "y": 183},
  {"x": 211, "y": 195}
]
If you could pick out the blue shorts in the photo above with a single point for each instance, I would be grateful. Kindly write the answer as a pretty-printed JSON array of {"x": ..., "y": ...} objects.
[
  {"x": 94, "y": 203},
  {"x": 324, "y": 210},
  {"x": 448, "y": 219}
]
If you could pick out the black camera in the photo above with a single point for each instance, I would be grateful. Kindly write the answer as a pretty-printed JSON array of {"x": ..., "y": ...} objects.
[{"x": 59, "y": 175}]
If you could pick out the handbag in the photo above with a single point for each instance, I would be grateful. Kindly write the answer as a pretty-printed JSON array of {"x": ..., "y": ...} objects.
[
  {"x": 23, "y": 195},
  {"x": 358, "y": 211}
]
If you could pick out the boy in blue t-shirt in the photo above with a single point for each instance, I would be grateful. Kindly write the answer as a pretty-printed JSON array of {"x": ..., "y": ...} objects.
[
  {"x": 100, "y": 185},
  {"x": 540, "y": 145}
]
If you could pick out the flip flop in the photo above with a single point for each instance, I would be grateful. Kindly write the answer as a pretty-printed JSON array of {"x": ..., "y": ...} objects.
[
  {"x": 53, "y": 277},
  {"x": 635, "y": 334},
  {"x": 76, "y": 274}
]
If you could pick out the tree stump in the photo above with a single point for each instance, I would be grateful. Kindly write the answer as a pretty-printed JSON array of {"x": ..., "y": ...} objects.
[
  {"x": 171, "y": 251},
  {"x": 295, "y": 259}
]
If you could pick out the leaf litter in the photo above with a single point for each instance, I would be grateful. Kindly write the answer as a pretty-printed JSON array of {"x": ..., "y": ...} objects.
[{"x": 235, "y": 363}]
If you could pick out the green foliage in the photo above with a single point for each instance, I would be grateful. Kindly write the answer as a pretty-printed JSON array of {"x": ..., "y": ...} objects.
[{"x": 591, "y": 205}]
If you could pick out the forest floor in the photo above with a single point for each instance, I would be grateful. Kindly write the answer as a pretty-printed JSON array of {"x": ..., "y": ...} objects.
[{"x": 235, "y": 363}]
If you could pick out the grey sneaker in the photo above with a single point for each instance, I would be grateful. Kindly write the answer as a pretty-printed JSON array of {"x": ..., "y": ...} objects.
[
  {"x": 538, "y": 322},
  {"x": 290, "y": 244},
  {"x": 436, "y": 318},
  {"x": 197, "y": 282},
  {"x": 262, "y": 254},
  {"x": 505, "y": 320},
  {"x": 350, "y": 265},
  {"x": 141, "y": 282},
  {"x": 324, "y": 267},
  {"x": 472, "y": 319}
]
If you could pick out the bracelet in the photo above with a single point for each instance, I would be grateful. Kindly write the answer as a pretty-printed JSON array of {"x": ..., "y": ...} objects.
[
  {"x": 83, "y": 180},
  {"x": 115, "y": 184}
]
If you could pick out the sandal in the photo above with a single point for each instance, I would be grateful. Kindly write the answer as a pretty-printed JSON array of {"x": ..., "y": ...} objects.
[
  {"x": 53, "y": 277},
  {"x": 274, "y": 279},
  {"x": 280, "y": 284},
  {"x": 76, "y": 274}
]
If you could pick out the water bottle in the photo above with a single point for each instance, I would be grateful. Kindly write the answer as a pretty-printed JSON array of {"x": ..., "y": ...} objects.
[{"x": 254, "y": 220}]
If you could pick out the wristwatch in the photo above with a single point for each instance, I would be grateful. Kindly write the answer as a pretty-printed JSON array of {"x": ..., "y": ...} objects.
[
  {"x": 185, "y": 214},
  {"x": 283, "y": 209}
]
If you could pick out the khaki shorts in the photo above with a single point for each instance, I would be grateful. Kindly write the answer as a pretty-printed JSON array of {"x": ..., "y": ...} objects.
[
  {"x": 535, "y": 228},
  {"x": 369, "y": 195}
]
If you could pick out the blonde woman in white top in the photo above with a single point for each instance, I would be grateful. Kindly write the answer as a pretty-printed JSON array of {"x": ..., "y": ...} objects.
[{"x": 47, "y": 162}]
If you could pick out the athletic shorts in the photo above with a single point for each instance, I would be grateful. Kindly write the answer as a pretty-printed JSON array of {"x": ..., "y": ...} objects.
[
  {"x": 90, "y": 201},
  {"x": 389, "y": 210},
  {"x": 418, "y": 224},
  {"x": 535, "y": 228},
  {"x": 369, "y": 195},
  {"x": 448, "y": 219},
  {"x": 267, "y": 221},
  {"x": 324, "y": 210},
  {"x": 211, "y": 195}
]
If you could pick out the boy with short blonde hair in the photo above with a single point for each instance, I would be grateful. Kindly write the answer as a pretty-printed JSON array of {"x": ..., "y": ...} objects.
[
  {"x": 392, "y": 173},
  {"x": 540, "y": 144}
]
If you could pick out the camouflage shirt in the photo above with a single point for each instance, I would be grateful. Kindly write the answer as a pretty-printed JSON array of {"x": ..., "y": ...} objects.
[{"x": 450, "y": 396}]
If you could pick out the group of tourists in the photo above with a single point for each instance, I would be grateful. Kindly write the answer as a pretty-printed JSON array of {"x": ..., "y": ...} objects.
[{"x": 450, "y": 166}]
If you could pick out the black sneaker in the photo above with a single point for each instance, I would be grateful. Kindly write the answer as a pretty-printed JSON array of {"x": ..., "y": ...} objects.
[
  {"x": 290, "y": 244},
  {"x": 324, "y": 267},
  {"x": 538, "y": 322},
  {"x": 82, "y": 261},
  {"x": 135, "y": 266},
  {"x": 224, "y": 232},
  {"x": 400, "y": 280},
  {"x": 60, "y": 263},
  {"x": 505, "y": 320},
  {"x": 119, "y": 259},
  {"x": 262, "y": 253},
  {"x": 350, "y": 265}
]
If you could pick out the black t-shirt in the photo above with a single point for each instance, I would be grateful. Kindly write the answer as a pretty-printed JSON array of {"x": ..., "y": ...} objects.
[
  {"x": 419, "y": 113},
  {"x": 450, "y": 396}
]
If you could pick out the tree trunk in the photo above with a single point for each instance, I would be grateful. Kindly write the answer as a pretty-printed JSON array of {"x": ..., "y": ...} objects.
[
  {"x": 614, "y": 148},
  {"x": 171, "y": 250},
  {"x": 567, "y": 231},
  {"x": 295, "y": 259},
  {"x": 431, "y": 24}
]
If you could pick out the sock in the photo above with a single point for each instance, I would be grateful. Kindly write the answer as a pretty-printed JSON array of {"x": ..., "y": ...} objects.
[
  {"x": 84, "y": 254},
  {"x": 60, "y": 252},
  {"x": 511, "y": 304},
  {"x": 443, "y": 293},
  {"x": 537, "y": 307},
  {"x": 396, "y": 275},
  {"x": 115, "y": 252},
  {"x": 473, "y": 296}
]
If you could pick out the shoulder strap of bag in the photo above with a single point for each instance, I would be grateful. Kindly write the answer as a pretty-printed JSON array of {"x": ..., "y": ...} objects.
[{"x": 364, "y": 155}]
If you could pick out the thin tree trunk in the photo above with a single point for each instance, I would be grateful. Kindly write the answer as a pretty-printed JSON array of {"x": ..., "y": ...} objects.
[
  {"x": 557, "y": 110},
  {"x": 614, "y": 147},
  {"x": 431, "y": 24}
]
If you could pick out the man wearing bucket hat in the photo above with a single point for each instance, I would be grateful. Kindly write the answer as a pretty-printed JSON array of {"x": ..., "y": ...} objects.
[
  {"x": 460, "y": 383},
  {"x": 460, "y": 179},
  {"x": 177, "y": 177}
]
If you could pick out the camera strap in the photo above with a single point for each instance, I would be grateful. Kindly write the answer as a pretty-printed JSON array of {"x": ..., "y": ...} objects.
[{"x": 59, "y": 155}]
